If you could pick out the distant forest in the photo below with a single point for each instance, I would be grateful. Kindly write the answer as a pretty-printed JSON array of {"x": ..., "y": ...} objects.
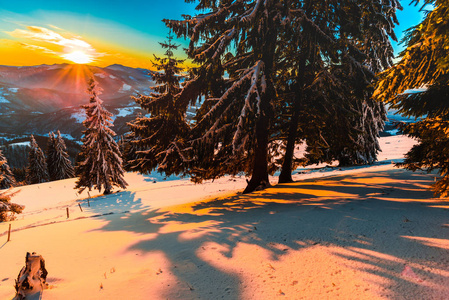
[{"x": 17, "y": 155}]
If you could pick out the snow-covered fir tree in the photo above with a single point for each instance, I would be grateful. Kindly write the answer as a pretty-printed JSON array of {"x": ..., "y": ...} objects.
[
  {"x": 100, "y": 163},
  {"x": 37, "y": 166},
  {"x": 7, "y": 179},
  {"x": 231, "y": 132},
  {"x": 328, "y": 60},
  {"x": 238, "y": 127},
  {"x": 7, "y": 208},
  {"x": 154, "y": 139},
  {"x": 418, "y": 86},
  {"x": 58, "y": 162}
]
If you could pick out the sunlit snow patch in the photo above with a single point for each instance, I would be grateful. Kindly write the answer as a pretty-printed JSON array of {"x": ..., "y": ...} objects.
[
  {"x": 79, "y": 116},
  {"x": 125, "y": 111},
  {"x": 3, "y": 100},
  {"x": 125, "y": 88},
  {"x": 21, "y": 144},
  {"x": 101, "y": 75}
]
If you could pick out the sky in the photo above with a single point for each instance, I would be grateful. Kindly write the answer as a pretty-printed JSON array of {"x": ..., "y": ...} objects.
[{"x": 101, "y": 32}]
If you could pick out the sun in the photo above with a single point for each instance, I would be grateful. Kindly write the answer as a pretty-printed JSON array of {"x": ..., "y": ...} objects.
[{"x": 78, "y": 57}]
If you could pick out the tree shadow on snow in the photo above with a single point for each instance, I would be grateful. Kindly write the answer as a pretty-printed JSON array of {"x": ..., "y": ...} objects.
[{"x": 373, "y": 218}]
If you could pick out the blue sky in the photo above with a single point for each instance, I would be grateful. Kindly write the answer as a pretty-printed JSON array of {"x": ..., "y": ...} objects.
[{"x": 125, "y": 32}]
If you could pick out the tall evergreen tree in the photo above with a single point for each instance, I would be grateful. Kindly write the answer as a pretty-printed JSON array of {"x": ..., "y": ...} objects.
[
  {"x": 231, "y": 133},
  {"x": 7, "y": 179},
  {"x": 424, "y": 64},
  {"x": 101, "y": 162},
  {"x": 37, "y": 166},
  {"x": 332, "y": 51},
  {"x": 150, "y": 137},
  {"x": 235, "y": 128},
  {"x": 58, "y": 162}
]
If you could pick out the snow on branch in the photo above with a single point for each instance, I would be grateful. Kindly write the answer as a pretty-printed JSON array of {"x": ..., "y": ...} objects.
[
  {"x": 219, "y": 45},
  {"x": 247, "y": 75}
]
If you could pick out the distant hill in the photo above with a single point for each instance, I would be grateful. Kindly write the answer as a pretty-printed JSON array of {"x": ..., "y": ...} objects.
[{"x": 39, "y": 99}]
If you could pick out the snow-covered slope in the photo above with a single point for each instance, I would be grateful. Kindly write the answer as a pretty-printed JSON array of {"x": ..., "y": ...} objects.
[{"x": 359, "y": 233}]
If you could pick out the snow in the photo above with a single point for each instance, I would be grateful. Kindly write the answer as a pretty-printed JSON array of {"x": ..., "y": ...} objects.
[
  {"x": 371, "y": 232},
  {"x": 125, "y": 111},
  {"x": 68, "y": 136},
  {"x": 393, "y": 131},
  {"x": 415, "y": 91},
  {"x": 125, "y": 88},
  {"x": 112, "y": 77},
  {"x": 20, "y": 144},
  {"x": 13, "y": 90},
  {"x": 3, "y": 100},
  {"x": 79, "y": 116},
  {"x": 101, "y": 75}
]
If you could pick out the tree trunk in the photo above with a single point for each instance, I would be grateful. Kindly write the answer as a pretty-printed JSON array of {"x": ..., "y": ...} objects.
[
  {"x": 260, "y": 167},
  {"x": 286, "y": 172},
  {"x": 259, "y": 177}
]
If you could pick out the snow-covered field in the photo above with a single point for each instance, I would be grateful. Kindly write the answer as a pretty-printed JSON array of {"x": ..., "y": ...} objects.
[{"x": 352, "y": 233}]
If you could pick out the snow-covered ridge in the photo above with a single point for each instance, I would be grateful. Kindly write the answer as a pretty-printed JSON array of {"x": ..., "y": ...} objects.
[
  {"x": 125, "y": 88},
  {"x": 126, "y": 111},
  {"x": 101, "y": 75},
  {"x": 79, "y": 116},
  {"x": 3, "y": 100}
]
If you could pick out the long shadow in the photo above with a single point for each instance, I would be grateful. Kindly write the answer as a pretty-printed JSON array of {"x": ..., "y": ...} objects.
[{"x": 357, "y": 212}]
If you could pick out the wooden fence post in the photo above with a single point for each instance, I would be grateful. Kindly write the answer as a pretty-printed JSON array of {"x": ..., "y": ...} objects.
[{"x": 9, "y": 233}]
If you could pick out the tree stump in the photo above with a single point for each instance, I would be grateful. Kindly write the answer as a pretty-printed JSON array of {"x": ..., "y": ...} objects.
[{"x": 32, "y": 278}]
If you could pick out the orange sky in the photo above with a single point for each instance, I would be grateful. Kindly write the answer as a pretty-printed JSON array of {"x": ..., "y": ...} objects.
[{"x": 53, "y": 37}]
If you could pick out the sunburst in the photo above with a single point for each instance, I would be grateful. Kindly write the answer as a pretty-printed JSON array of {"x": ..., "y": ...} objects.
[{"x": 78, "y": 57}]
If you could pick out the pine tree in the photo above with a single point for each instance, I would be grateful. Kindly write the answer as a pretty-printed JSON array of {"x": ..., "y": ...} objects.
[
  {"x": 7, "y": 179},
  {"x": 58, "y": 163},
  {"x": 51, "y": 153},
  {"x": 424, "y": 64},
  {"x": 331, "y": 56},
  {"x": 8, "y": 209},
  {"x": 231, "y": 132},
  {"x": 37, "y": 166},
  {"x": 152, "y": 139},
  {"x": 100, "y": 166}
]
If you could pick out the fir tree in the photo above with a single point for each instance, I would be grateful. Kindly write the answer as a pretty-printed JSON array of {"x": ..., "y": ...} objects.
[
  {"x": 7, "y": 179},
  {"x": 37, "y": 166},
  {"x": 331, "y": 56},
  {"x": 424, "y": 64},
  {"x": 58, "y": 163},
  {"x": 8, "y": 209},
  {"x": 231, "y": 132},
  {"x": 100, "y": 166},
  {"x": 152, "y": 138}
]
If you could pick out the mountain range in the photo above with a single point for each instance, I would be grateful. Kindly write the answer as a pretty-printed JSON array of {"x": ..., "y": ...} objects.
[{"x": 39, "y": 99}]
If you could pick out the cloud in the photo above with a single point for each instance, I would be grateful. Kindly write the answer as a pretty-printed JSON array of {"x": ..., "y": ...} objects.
[
  {"x": 38, "y": 48},
  {"x": 44, "y": 35}
]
